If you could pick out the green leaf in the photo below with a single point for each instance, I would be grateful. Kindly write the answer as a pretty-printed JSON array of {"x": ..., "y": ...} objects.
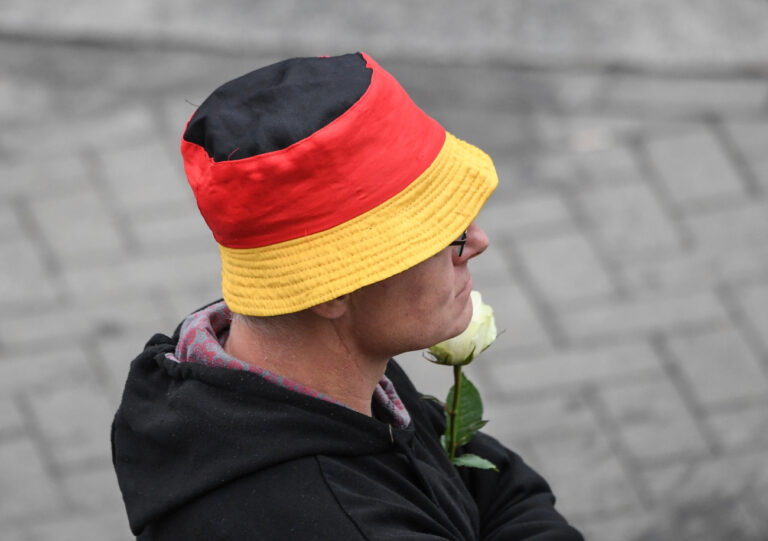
[
  {"x": 474, "y": 461},
  {"x": 470, "y": 432},
  {"x": 469, "y": 414}
]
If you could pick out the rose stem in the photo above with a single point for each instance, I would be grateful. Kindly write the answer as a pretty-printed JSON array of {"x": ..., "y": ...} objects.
[{"x": 454, "y": 407}]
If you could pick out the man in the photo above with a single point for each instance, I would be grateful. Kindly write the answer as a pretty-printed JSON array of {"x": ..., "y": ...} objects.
[{"x": 277, "y": 412}]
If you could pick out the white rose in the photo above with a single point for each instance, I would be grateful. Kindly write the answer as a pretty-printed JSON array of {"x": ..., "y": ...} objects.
[{"x": 479, "y": 334}]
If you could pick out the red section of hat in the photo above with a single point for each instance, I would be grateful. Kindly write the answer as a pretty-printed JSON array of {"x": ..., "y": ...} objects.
[{"x": 360, "y": 160}]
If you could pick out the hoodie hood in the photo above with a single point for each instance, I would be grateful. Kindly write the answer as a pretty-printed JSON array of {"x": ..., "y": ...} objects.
[{"x": 222, "y": 422}]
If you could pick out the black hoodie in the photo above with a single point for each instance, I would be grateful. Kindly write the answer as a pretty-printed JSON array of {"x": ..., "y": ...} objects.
[{"x": 212, "y": 453}]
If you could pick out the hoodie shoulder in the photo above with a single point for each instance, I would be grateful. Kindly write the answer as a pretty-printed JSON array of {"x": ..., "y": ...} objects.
[{"x": 185, "y": 429}]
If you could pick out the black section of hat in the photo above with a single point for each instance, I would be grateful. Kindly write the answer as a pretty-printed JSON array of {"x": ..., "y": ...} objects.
[{"x": 273, "y": 107}]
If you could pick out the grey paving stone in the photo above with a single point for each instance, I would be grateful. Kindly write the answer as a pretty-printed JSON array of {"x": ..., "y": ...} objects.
[
  {"x": 10, "y": 418},
  {"x": 751, "y": 138},
  {"x": 516, "y": 419},
  {"x": 94, "y": 489},
  {"x": 63, "y": 136},
  {"x": 694, "y": 168},
  {"x": 670, "y": 96},
  {"x": 25, "y": 176},
  {"x": 600, "y": 131},
  {"x": 760, "y": 490},
  {"x": 545, "y": 170},
  {"x": 17, "y": 97},
  {"x": 744, "y": 224},
  {"x": 712, "y": 518},
  {"x": 23, "y": 278},
  {"x": 627, "y": 526},
  {"x": 24, "y": 368},
  {"x": 66, "y": 326},
  {"x": 588, "y": 137},
  {"x": 740, "y": 428},
  {"x": 528, "y": 212},
  {"x": 630, "y": 222},
  {"x": 574, "y": 91},
  {"x": 697, "y": 270},
  {"x": 558, "y": 371},
  {"x": 565, "y": 267},
  {"x": 26, "y": 489},
  {"x": 752, "y": 298},
  {"x": 129, "y": 74},
  {"x": 610, "y": 164},
  {"x": 496, "y": 133},
  {"x": 78, "y": 228},
  {"x": 10, "y": 227},
  {"x": 717, "y": 479},
  {"x": 648, "y": 31},
  {"x": 642, "y": 315},
  {"x": 719, "y": 365},
  {"x": 144, "y": 176},
  {"x": 760, "y": 169},
  {"x": 558, "y": 133},
  {"x": 585, "y": 474},
  {"x": 107, "y": 526},
  {"x": 74, "y": 420},
  {"x": 180, "y": 230},
  {"x": 179, "y": 302},
  {"x": 475, "y": 87},
  {"x": 515, "y": 316},
  {"x": 143, "y": 273},
  {"x": 115, "y": 353},
  {"x": 653, "y": 422}
]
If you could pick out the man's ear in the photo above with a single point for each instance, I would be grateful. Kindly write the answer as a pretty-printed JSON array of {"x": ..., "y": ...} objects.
[{"x": 332, "y": 309}]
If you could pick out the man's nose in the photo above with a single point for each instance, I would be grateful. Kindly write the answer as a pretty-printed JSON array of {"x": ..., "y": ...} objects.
[{"x": 477, "y": 242}]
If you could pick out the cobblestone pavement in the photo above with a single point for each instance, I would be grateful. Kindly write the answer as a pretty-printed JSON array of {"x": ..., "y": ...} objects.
[{"x": 629, "y": 270}]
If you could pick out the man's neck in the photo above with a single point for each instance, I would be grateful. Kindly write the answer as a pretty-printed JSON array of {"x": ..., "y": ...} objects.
[{"x": 315, "y": 353}]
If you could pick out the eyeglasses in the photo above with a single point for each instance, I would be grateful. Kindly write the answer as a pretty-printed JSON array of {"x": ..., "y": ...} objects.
[{"x": 460, "y": 242}]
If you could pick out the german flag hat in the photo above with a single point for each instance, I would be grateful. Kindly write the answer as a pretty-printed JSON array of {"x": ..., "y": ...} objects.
[{"x": 319, "y": 176}]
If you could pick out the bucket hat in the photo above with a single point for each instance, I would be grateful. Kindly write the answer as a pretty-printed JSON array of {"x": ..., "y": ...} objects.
[{"x": 319, "y": 176}]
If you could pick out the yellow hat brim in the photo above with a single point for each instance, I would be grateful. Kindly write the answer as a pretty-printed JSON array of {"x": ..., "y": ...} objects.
[{"x": 396, "y": 235}]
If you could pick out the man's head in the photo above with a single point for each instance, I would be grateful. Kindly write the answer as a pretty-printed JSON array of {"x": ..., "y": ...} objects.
[{"x": 319, "y": 177}]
